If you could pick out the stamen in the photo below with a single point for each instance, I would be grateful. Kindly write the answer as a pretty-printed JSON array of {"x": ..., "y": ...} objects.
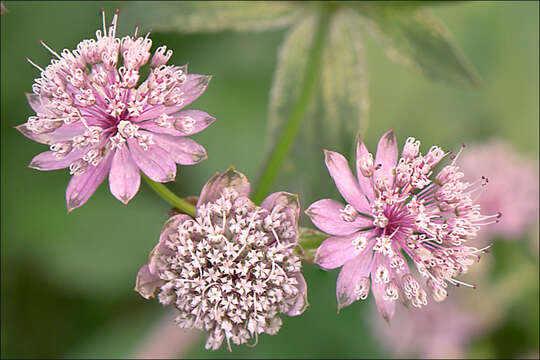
[
  {"x": 48, "y": 48},
  {"x": 455, "y": 157},
  {"x": 34, "y": 64},
  {"x": 458, "y": 283},
  {"x": 103, "y": 16},
  {"x": 256, "y": 340},
  {"x": 148, "y": 34},
  {"x": 114, "y": 22},
  {"x": 275, "y": 235},
  {"x": 482, "y": 249}
]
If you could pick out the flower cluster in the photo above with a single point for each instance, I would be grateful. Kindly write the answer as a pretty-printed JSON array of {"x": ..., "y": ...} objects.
[
  {"x": 99, "y": 117},
  {"x": 397, "y": 208},
  {"x": 230, "y": 270},
  {"x": 435, "y": 332},
  {"x": 513, "y": 186}
]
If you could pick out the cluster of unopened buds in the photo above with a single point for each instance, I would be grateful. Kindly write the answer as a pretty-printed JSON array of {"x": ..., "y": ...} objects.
[{"x": 234, "y": 266}]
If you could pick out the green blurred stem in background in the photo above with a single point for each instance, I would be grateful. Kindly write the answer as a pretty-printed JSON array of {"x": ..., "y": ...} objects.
[
  {"x": 170, "y": 197},
  {"x": 292, "y": 126}
]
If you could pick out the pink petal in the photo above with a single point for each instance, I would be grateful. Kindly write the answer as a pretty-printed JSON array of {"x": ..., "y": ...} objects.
[
  {"x": 82, "y": 186},
  {"x": 325, "y": 214},
  {"x": 124, "y": 177},
  {"x": 366, "y": 185},
  {"x": 350, "y": 275},
  {"x": 48, "y": 161},
  {"x": 155, "y": 162},
  {"x": 288, "y": 204},
  {"x": 337, "y": 250},
  {"x": 147, "y": 283},
  {"x": 386, "y": 308},
  {"x": 176, "y": 124},
  {"x": 171, "y": 225},
  {"x": 230, "y": 178},
  {"x": 301, "y": 303},
  {"x": 36, "y": 103},
  {"x": 63, "y": 133},
  {"x": 183, "y": 150},
  {"x": 282, "y": 199},
  {"x": 161, "y": 250},
  {"x": 194, "y": 86},
  {"x": 345, "y": 181},
  {"x": 387, "y": 156}
]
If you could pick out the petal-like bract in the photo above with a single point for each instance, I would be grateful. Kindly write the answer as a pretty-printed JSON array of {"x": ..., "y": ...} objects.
[{"x": 397, "y": 208}]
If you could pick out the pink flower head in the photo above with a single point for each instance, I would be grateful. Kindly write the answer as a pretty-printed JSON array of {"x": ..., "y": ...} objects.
[
  {"x": 513, "y": 186},
  {"x": 230, "y": 270},
  {"x": 444, "y": 331},
  {"x": 397, "y": 208},
  {"x": 99, "y": 118}
]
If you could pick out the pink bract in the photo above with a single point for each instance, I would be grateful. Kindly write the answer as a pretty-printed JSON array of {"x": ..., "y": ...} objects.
[
  {"x": 396, "y": 208},
  {"x": 232, "y": 269},
  {"x": 100, "y": 120}
]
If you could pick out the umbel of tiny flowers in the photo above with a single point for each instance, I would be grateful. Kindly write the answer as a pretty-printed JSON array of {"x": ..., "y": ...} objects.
[
  {"x": 99, "y": 118},
  {"x": 397, "y": 208},
  {"x": 231, "y": 270}
]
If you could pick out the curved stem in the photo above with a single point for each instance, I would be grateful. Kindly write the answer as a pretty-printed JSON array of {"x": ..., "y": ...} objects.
[
  {"x": 170, "y": 197},
  {"x": 292, "y": 126}
]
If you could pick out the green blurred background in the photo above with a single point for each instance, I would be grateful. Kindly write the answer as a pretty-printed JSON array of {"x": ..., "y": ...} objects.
[{"x": 67, "y": 279}]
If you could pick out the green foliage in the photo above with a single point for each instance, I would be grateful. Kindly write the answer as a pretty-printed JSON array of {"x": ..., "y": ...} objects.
[
  {"x": 420, "y": 41},
  {"x": 309, "y": 241},
  {"x": 214, "y": 16},
  {"x": 289, "y": 76}
]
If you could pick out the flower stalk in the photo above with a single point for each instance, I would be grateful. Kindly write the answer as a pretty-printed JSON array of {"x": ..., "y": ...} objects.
[
  {"x": 170, "y": 197},
  {"x": 290, "y": 130}
]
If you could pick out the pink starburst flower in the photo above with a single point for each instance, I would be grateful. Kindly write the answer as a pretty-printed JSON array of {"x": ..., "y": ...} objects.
[
  {"x": 232, "y": 269},
  {"x": 443, "y": 331},
  {"x": 99, "y": 118},
  {"x": 397, "y": 208},
  {"x": 513, "y": 186}
]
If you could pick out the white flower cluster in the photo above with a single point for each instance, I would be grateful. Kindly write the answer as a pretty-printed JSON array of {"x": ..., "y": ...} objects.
[{"x": 231, "y": 270}]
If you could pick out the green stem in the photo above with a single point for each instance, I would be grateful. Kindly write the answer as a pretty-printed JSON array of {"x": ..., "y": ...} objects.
[
  {"x": 311, "y": 243},
  {"x": 292, "y": 126},
  {"x": 170, "y": 197}
]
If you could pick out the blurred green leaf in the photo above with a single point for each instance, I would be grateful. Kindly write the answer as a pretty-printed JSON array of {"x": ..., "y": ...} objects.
[
  {"x": 344, "y": 82},
  {"x": 289, "y": 76},
  {"x": 308, "y": 242},
  {"x": 416, "y": 3},
  {"x": 338, "y": 109},
  {"x": 311, "y": 238},
  {"x": 420, "y": 41},
  {"x": 214, "y": 16}
]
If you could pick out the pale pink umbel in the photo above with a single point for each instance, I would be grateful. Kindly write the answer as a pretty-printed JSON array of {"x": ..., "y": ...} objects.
[
  {"x": 100, "y": 118},
  {"x": 396, "y": 208},
  {"x": 231, "y": 270}
]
